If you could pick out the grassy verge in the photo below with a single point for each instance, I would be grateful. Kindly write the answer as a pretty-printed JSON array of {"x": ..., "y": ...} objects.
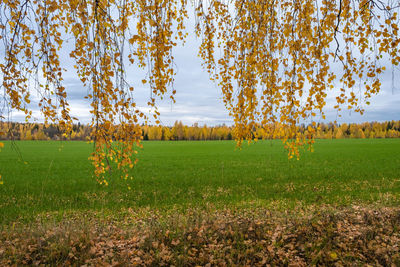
[{"x": 243, "y": 237}]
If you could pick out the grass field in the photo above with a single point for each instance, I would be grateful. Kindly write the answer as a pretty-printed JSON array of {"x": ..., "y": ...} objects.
[{"x": 177, "y": 175}]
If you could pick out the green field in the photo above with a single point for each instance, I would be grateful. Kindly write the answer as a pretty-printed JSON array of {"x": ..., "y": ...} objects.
[{"x": 175, "y": 175}]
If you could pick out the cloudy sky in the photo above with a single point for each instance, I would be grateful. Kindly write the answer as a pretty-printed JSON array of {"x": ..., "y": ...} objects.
[{"x": 198, "y": 100}]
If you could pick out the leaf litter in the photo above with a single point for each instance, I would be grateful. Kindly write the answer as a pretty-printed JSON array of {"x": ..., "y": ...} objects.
[{"x": 356, "y": 235}]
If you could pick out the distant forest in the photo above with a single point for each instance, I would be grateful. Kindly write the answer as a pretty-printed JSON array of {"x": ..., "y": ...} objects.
[{"x": 38, "y": 131}]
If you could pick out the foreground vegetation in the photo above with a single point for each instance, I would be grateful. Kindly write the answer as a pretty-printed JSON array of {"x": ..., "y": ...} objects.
[
  {"x": 246, "y": 237},
  {"x": 199, "y": 202}
]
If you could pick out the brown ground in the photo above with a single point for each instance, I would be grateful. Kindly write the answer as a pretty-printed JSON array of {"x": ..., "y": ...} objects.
[{"x": 324, "y": 236}]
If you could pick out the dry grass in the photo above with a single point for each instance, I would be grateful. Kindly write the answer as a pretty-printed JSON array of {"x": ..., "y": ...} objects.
[{"x": 301, "y": 237}]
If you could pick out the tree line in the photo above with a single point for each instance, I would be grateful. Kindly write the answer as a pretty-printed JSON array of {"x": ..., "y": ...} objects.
[{"x": 179, "y": 131}]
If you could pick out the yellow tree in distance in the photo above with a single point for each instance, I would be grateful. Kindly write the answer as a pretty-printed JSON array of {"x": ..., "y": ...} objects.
[{"x": 278, "y": 61}]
